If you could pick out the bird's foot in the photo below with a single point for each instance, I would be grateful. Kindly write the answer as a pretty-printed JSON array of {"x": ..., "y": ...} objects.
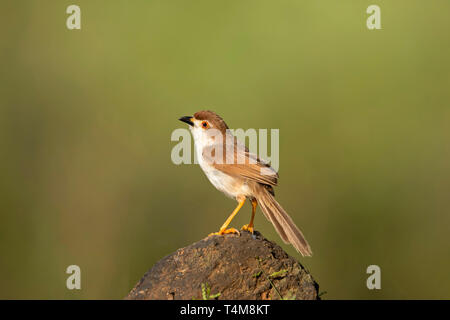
[
  {"x": 248, "y": 228},
  {"x": 225, "y": 231}
]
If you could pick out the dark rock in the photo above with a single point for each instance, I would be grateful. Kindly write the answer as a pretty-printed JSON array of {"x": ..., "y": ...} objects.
[{"x": 227, "y": 267}]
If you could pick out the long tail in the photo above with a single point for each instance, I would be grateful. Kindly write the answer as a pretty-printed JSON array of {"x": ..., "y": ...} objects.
[{"x": 282, "y": 222}]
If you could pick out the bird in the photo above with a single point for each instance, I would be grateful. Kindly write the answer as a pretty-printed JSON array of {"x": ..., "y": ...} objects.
[{"x": 241, "y": 175}]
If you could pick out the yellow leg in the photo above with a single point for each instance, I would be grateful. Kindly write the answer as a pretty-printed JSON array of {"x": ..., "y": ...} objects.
[
  {"x": 223, "y": 229},
  {"x": 249, "y": 227}
]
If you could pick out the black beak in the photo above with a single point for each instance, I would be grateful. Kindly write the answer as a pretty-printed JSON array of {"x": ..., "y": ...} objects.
[{"x": 187, "y": 119}]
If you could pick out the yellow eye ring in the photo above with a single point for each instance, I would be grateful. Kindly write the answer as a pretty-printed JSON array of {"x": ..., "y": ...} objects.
[{"x": 205, "y": 125}]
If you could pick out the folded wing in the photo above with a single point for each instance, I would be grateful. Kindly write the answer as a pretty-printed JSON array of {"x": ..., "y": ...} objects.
[{"x": 236, "y": 160}]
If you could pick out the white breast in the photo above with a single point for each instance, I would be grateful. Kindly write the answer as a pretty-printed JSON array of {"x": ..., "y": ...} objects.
[{"x": 231, "y": 186}]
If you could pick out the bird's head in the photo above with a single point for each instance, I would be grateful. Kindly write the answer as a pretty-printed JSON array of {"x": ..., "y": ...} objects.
[{"x": 205, "y": 124}]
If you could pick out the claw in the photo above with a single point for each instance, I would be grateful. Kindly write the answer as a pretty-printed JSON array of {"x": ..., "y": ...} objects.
[
  {"x": 222, "y": 232},
  {"x": 248, "y": 228}
]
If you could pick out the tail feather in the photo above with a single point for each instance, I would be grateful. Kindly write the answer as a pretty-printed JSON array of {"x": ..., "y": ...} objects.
[{"x": 282, "y": 222}]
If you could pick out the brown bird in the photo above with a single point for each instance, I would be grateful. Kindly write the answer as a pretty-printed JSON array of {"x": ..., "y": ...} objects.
[{"x": 241, "y": 175}]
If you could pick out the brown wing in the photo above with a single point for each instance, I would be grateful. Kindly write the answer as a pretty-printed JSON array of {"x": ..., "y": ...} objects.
[{"x": 239, "y": 162}]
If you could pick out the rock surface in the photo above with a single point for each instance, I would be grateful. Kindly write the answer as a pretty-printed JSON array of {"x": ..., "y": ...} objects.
[{"x": 231, "y": 267}]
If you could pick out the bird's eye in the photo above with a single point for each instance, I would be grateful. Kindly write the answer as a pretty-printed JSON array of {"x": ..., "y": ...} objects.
[{"x": 205, "y": 125}]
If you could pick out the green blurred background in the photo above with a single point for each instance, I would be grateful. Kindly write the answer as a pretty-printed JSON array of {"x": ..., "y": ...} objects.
[{"x": 86, "y": 118}]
